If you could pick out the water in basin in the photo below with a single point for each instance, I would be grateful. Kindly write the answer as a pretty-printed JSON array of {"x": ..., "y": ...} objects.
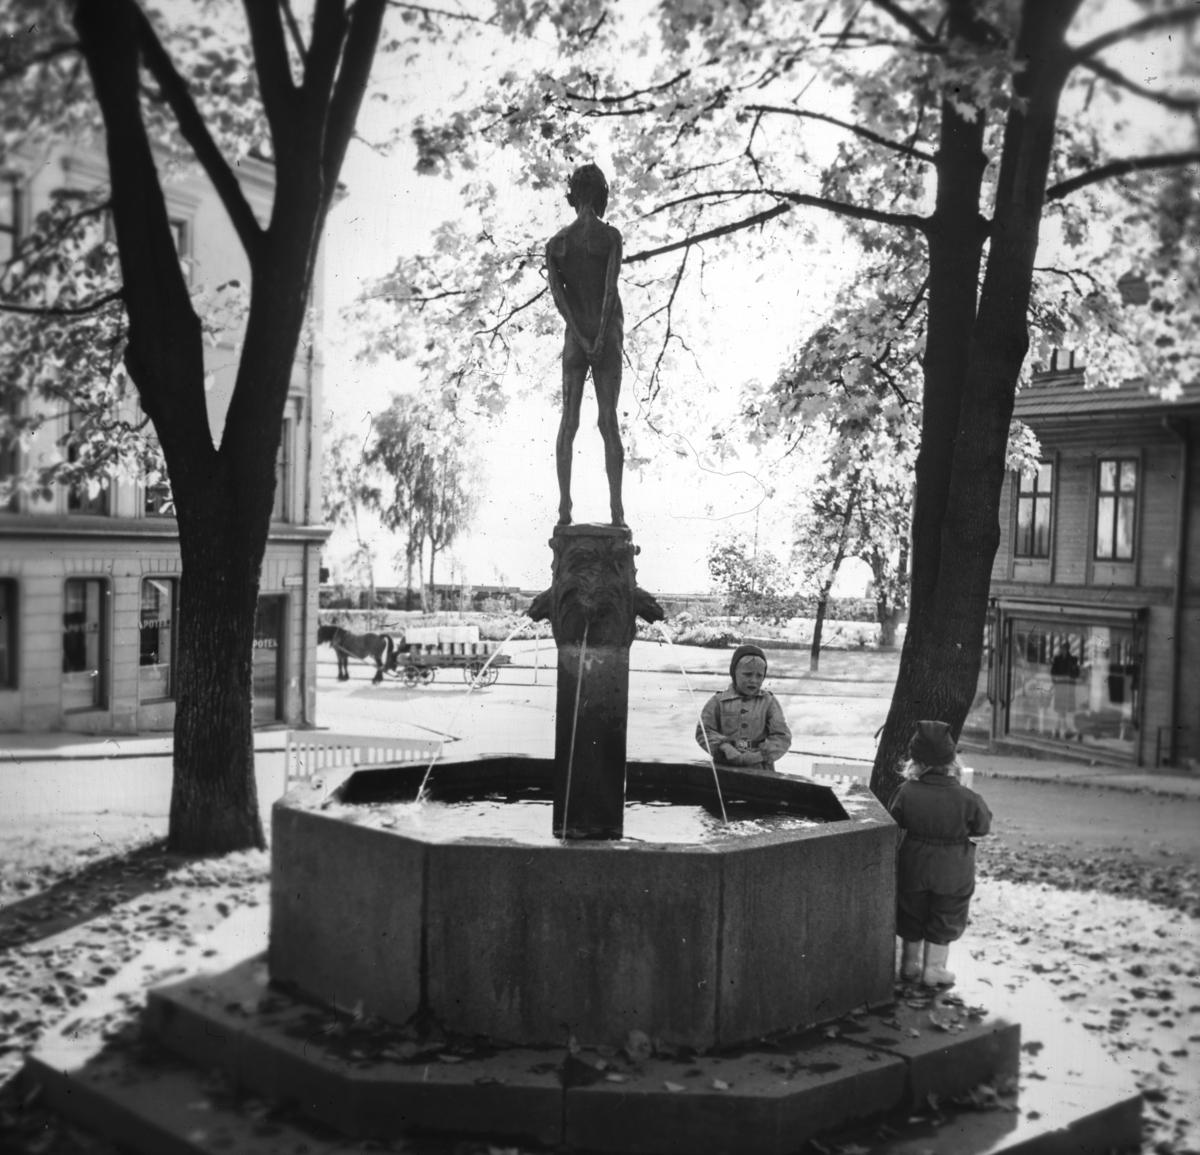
[{"x": 523, "y": 816}]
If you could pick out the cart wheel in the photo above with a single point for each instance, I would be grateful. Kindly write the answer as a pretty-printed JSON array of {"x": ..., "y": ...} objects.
[
  {"x": 490, "y": 675},
  {"x": 411, "y": 674},
  {"x": 428, "y": 673},
  {"x": 471, "y": 671}
]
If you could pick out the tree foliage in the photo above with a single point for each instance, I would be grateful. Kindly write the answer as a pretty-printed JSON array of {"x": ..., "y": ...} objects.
[
  {"x": 948, "y": 137},
  {"x": 753, "y": 583}
]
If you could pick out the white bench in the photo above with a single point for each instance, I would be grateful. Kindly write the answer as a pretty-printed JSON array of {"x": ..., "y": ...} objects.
[
  {"x": 842, "y": 772},
  {"x": 846, "y": 772},
  {"x": 311, "y": 752}
]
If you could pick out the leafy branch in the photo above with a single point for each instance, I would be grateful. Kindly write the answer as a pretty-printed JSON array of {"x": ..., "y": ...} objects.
[{"x": 1121, "y": 168}]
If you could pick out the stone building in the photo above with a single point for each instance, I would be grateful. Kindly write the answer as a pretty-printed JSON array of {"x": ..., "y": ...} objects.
[
  {"x": 1093, "y": 643},
  {"x": 89, "y": 581}
]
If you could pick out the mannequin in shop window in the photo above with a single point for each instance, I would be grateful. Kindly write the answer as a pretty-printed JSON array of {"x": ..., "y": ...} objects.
[{"x": 1064, "y": 673}]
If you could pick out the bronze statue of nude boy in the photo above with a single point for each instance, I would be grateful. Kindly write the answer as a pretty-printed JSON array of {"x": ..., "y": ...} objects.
[{"x": 582, "y": 264}]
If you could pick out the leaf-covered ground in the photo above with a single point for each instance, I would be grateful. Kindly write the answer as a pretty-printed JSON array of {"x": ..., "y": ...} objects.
[{"x": 1118, "y": 938}]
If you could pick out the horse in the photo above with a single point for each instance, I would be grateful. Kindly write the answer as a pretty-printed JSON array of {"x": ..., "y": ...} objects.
[{"x": 378, "y": 648}]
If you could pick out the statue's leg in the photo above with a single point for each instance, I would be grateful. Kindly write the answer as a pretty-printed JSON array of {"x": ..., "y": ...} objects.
[
  {"x": 607, "y": 379},
  {"x": 575, "y": 367}
]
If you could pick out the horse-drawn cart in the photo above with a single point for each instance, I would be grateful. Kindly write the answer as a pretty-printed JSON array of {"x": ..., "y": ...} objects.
[{"x": 427, "y": 649}]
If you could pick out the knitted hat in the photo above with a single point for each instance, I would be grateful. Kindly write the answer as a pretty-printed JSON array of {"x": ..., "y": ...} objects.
[
  {"x": 932, "y": 744},
  {"x": 745, "y": 652}
]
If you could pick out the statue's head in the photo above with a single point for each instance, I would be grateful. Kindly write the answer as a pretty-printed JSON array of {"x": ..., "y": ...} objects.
[{"x": 587, "y": 186}]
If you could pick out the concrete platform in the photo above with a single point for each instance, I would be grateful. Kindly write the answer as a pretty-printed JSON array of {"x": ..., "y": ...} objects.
[{"x": 896, "y": 1080}]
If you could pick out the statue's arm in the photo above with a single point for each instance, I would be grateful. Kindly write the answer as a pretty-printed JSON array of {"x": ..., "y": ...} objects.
[
  {"x": 558, "y": 292},
  {"x": 610, "y": 292}
]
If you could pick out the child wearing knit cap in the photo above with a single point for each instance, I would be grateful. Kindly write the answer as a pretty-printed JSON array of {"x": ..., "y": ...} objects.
[
  {"x": 744, "y": 725},
  {"x": 936, "y": 867}
]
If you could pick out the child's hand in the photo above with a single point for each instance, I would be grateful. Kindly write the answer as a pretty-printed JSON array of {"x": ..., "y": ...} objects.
[{"x": 729, "y": 752}]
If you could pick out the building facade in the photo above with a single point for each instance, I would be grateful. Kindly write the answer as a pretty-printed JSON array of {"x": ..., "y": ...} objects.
[
  {"x": 1093, "y": 636},
  {"x": 90, "y": 578}
]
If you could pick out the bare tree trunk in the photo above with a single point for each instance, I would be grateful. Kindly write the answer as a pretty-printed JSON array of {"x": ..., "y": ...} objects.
[
  {"x": 939, "y": 665},
  {"x": 214, "y": 800},
  {"x": 814, "y": 653}
]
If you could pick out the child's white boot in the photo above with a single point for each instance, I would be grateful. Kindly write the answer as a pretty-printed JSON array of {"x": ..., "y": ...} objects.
[
  {"x": 911, "y": 954},
  {"x": 935, "y": 973}
]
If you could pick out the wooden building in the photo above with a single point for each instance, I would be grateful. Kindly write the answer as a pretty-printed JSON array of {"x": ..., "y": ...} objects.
[
  {"x": 89, "y": 578},
  {"x": 1093, "y": 637}
]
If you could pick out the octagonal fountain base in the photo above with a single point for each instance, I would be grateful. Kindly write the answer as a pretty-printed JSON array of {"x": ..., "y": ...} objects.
[{"x": 780, "y": 920}]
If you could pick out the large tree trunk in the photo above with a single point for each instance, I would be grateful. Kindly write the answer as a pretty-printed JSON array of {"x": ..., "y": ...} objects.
[
  {"x": 939, "y": 665},
  {"x": 214, "y": 802}
]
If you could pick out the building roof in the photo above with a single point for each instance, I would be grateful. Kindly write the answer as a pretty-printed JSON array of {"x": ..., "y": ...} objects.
[{"x": 1064, "y": 394}]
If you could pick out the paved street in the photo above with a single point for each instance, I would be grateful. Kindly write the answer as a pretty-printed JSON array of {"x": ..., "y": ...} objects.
[{"x": 103, "y": 785}]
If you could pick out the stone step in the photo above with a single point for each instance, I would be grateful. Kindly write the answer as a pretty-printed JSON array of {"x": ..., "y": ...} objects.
[{"x": 348, "y": 1081}]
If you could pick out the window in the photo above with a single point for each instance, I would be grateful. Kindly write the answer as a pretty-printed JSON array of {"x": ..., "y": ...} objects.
[
  {"x": 10, "y": 453},
  {"x": 1034, "y": 492},
  {"x": 159, "y": 502},
  {"x": 84, "y": 496},
  {"x": 283, "y": 476},
  {"x": 8, "y": 634},
  {"x": 267, "y": 668},
  {"x": 85, "y": 644},
  {"x": 1116, "y": 508},
  {"x": 10, "y": 218},
  {"x": 156, "y": 639},
  {"x": 1077, "y": 683}
]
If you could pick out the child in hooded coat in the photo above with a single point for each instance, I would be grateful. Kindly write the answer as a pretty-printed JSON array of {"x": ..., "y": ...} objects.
[
  {"x": 936, "y": 867},
  {"x": 744, "y": 725}
]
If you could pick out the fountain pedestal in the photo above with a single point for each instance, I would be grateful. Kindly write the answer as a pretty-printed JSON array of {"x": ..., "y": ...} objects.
[{"x": 592, "y": 605}]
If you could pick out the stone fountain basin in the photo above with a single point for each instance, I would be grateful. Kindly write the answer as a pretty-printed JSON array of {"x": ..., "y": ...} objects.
[{"x": 701, "y": 945}]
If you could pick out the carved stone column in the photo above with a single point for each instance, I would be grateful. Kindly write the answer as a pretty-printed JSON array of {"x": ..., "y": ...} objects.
[{"x": 592, "y": 605}]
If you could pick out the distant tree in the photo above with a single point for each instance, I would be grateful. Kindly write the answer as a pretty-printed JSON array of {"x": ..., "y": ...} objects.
[
  {"x": 348, "y": 488},
  {"x": 884, "y": 518},
  {"x": 752, "y": 583},
  {"x": 451, "y": 499},
  {"x": 402, "y": 449},
  {"x": 825, "y": 535}
]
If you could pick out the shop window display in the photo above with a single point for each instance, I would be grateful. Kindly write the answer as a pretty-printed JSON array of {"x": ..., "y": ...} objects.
[{"x": 1075, "y": 683}]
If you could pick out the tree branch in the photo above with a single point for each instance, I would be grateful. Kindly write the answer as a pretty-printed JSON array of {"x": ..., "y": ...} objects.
[
  {"x": 294, "y": 29},
  {"x": 633, "y": 95},
  {"x": 510, "y": 314},
  {"x": 1166, "y": 99},
  {"x": 1147, "y": 24},
  {"x": 1121, "y": 168},
  {"x": 55, "y": 50},
  {"x": 906, "y": 20},
  {"x": 330, "y": 24},
  {"x": 858, "y": 130},
  {"x": 64, "y": 310},
  {"x": 271, "y": 63},
  {"x": 175, "y": 91},
  {"x": 724, "y": 230},
  {"x": 428, "y": 12},
  {"x": 839, "y": 208},
  {"x": 366, "y": 18}
]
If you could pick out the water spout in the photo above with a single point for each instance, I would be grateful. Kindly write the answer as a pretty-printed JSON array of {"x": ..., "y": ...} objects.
[
  {"x": 574, "y": 727},
  {"x": 712, "y": 761},
  {"x": 475, "y": 681}
]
